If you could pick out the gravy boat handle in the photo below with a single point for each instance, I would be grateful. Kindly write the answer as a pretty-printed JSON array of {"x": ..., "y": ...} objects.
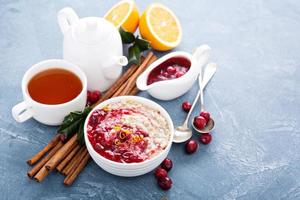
[{"x": 201, "y": 55}]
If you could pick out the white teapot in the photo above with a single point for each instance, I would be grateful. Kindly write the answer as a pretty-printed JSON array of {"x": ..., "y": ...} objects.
[{"x": 93, "y": 44}]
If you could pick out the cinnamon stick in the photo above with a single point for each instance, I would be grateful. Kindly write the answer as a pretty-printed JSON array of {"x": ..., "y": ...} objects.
[
  {"x": 41, "y": 153},
  {"x": 131, "y": 81},
  {"x": 120, "y": 90},
  {"x": 75, "y": 162},
  {"x": 118, "y": 83},
  {"x": 68, "y": 158},
  {"x": 134, "y": 91},
  {"x": 61, "y": 153},
  {"x": 72, "y": 162},
  {"x": 40, "y": 164},
  {"x": 71, "y": 177},
  {"x": 39, "y": 177}
]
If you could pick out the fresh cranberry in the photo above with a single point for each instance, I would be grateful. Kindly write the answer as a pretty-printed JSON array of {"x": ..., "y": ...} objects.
[
  {"x": 186, "y": 106},
  {"x": 62, "y": 137},
  {"x": 167, "y": 164},
  {"x": 165, "y": 183},
  {"x": 191, "y": 146},
  {"x": 97, "y": 93},
  {"x": 206, "y": 115},
  {"x": 171, "y": 70},
  {"x": 89, "y": 94},
  {"x": 205, "y": 138},
  {"x": 94, "y": 96},
  {"x": 199, "y": 122},
  {"x": 166, "y": 74},
  {"x": 179, "y": 74},
  {"x": 160, "y": 173}
]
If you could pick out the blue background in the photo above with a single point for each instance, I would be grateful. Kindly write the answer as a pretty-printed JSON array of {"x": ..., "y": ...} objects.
[{"x": 254, "y": 98}]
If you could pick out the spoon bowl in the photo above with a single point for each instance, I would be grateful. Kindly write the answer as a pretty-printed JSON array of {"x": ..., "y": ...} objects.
[
  {"x": 182, "y": 134},
  {"x": 208, "y": 127}
]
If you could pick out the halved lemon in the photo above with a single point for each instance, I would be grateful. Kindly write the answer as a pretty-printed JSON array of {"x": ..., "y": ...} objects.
[
  {"x": 160, "y": 26},
  {"x": 124, "y": 14}
]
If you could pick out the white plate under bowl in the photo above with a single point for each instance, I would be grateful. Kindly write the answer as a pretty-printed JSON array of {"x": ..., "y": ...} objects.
[{"x": 130, "y": 169}]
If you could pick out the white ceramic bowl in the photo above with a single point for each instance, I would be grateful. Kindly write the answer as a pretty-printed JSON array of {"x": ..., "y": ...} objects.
[{"x": 130, "y": 169}]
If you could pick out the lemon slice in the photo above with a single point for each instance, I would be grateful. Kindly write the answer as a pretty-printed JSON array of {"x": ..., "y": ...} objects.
[
  {"x": 160, "y": 26},
  {"x": 124, "y": 14}
]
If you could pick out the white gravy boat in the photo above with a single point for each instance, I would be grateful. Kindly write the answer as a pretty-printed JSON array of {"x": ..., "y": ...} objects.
[{"x": 171, "y": 89}]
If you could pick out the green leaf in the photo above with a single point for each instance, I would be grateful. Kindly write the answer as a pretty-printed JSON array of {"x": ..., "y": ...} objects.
[
  {"x": 127, "y": 37},
  {"x": 80, "y": 133},
  {"x": 134, "y": 54},
  {"x": 72, "y": 122},
  {"x": 142, "y": 44}
]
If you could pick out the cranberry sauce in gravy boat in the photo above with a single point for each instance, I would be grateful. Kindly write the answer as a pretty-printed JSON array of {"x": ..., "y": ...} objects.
[{"x": 173, "y": 74}]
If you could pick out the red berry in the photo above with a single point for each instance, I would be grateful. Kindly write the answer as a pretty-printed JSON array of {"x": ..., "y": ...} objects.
[
  {"x": 62, "y": 137},
  {"x": 191, "y": 146},
  {"x": 89, "y": 94},
  {"x": 171, "y": 70},
  {"x": 206, "y": 115},
  {"x": 205, "y": 138},
  {"x": 98, "y": 93},
  {"x": 165, "y": 74},
  {"x": 186, "y": 106},
  {"x": 179, "y": 74},
  {"x": 165, "y": 183},
  {"x": 199, "y": 122},
  {"x": 94, "y": 96},
  {"x": 167, "y": 164},
  {"x": 160, "y": 173}
]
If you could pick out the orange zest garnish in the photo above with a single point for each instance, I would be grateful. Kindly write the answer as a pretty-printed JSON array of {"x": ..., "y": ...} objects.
[
  {"x": 105, "y": 108},
  {"x": 117, "y": 127},
  {"x": 136, "y": 138},
  {"x": 127, "y": 131},
  {"x": 117, "y": 142},
  {"x": 122, "y": 135}
]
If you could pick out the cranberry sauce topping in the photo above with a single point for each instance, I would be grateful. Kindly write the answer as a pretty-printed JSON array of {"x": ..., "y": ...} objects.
[
  {"x": 172, "y": 68},
  {"x": 115, "y": 140}
]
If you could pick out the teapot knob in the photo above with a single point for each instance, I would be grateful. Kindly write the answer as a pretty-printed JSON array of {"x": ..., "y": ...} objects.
[
  {"x": 66, "y": 18},
  {"x": 91, "y": 25}
]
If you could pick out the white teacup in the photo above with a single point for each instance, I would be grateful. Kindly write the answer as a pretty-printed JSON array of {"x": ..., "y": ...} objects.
[{"x": 45, "y": 113}]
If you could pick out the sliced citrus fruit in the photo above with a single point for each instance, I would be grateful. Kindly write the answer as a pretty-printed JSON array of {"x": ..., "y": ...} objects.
[
  {"x": 160, "y": 26},
  {"x": 124, "y": 14}
]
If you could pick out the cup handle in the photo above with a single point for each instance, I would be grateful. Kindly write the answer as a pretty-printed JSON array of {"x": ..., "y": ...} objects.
[{"x": 21, "y": 112}]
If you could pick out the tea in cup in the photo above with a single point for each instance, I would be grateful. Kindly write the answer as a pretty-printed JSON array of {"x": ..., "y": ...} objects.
[{"x": 51, "y": 90}]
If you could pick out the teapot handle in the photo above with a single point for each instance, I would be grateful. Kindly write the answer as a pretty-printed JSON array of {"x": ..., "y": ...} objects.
[{"x": 66, "y": 17}]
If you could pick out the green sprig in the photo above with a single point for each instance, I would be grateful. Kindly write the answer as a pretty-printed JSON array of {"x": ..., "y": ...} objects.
[{"x": 136, "y": 46}]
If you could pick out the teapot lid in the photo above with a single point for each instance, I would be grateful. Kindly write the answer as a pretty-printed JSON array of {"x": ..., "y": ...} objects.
[{"x": 92, "y": 30}]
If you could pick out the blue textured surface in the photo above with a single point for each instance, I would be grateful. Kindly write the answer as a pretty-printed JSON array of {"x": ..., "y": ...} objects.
[{"x": 254, "y": 98}]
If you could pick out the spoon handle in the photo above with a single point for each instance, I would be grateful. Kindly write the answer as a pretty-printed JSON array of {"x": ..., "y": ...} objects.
[
  {"x": 192, "y": 108},
  {"x": 208, "y": 74}
]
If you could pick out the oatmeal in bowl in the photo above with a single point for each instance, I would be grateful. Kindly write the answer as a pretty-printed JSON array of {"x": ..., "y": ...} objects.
[{"x": 128, "y": 135}]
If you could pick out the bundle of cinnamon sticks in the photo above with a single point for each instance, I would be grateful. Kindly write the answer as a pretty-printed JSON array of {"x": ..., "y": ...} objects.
[{"x": 70, "y": 158}]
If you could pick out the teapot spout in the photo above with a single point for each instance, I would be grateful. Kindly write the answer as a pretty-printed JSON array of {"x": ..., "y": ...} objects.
[
  {"x": 122, "y": 60},
  {"x": 114, "y": 66}
]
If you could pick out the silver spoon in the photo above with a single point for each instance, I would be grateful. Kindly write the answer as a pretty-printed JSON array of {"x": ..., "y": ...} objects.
[
  {"x": 211, "y": 123},
  {"x": 183, "y": 133}
]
